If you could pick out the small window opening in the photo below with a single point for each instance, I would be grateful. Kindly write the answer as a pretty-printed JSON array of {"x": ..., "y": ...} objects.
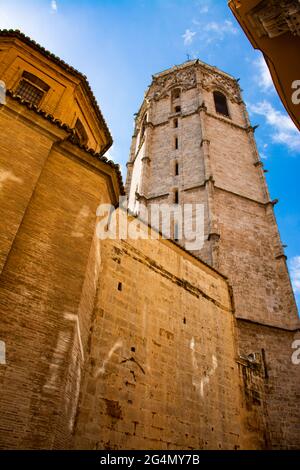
[
  {"x": 175, "y": 123},
  {"x": 176, "y": 143},
  {"x": 177, "y": 109},
  {"x": 120, "y": 286},
  {"x": 221, "y": 103},
  {"x": 176, "y": 93},
  {"x": 176, "y": 235},
  {"x": 81, "y": 132},
  {"x": 32, "y": 88},
  {"x": 176, "y": 169},
  {"x": 176, "y": 197}
]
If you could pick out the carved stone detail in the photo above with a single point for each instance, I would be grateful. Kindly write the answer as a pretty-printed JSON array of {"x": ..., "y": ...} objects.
[
  {"x": 186, "y": 79},
  {"x": 275, "y": 17},
  {"x": 211, "y": 81}
]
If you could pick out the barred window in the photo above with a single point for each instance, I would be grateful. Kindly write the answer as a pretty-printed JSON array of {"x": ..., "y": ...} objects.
[
  {"x": 29, "y": 92},
  {"x": 32, "y": 88}
]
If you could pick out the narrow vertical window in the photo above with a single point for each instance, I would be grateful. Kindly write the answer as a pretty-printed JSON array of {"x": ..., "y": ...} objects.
[
  {"x": 176, "y": 169},
  {"x": 176, "y": 232},
  {"x": 176, "y": 197},
  {"x": 176, "y": 143},
  {"x": 175, "y": 123}
]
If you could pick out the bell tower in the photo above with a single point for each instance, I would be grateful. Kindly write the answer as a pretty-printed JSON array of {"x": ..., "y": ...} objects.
[{"x": 193, "y": 143}]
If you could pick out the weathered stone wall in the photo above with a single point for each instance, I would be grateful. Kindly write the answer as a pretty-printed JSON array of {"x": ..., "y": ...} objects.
[
  {"x": 280, "y": 377},
  {"x": 49, "y": 194},
  {"x": 220, "y": 167},
  {"x": 161, "y": 371}
]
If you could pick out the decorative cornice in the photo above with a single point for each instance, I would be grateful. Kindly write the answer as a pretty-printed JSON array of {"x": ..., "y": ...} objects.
[
  {"x": 214, "y": 81},
  {"x": 254, "y": 322},
  {"x": 227, "y": 120},
  {"x": 71, "y": 137},
  {"x": 142, "y": 196},
  {"x": 183, "y": 78},
  {"x": 276, "y": 17}
]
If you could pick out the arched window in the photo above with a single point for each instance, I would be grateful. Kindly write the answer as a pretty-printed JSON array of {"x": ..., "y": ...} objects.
[
  {"x": 31, "y": 88},
  {"x": 81, "y": 132},
  {"x": 221, "y": 103},
  {"x": 175, "y": 100}
]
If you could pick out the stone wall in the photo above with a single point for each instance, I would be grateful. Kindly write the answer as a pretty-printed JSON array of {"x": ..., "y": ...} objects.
[
  {"x": 279, "y": 398},
  {"x": 49, "y": 193},
  {"x": 161, "y": 371}
]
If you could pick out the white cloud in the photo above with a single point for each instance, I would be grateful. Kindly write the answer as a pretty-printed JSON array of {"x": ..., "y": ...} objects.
[
  {"x": 284, "y": 130},
  {"x": 53, "y": 5},
  {"x": 263, "y": 77},
  {"x": 204, "y": 9},
  {"x": 188, "y": 37},
  {"x": 221, "y": 29},
  {"x": 295, "y": 273},
  {"x": 203, "y": 6}
]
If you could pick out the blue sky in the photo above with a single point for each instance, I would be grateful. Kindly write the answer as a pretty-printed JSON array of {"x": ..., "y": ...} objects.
[{"x": 119, "y": 44}]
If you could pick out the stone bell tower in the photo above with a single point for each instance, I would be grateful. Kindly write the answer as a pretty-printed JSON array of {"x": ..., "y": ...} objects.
[{"x": 193, "y": 143}]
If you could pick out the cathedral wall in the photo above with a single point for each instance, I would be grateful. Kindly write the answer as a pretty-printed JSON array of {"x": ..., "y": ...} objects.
[
  {"x": 233, "y": 158},
  {"x": 262, "y": 292},
  {"x": 49, "y": 196},
  {"x": 161, "y": 371},
  {"x": 21, "y": 163},
  {"x": 236, "y": 112},
  {"x": 281, "y": 381}
]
